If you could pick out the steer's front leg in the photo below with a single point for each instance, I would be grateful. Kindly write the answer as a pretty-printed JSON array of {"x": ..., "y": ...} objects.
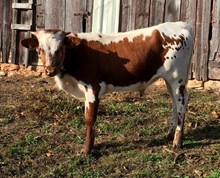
[{"x": 91, "y": 110}]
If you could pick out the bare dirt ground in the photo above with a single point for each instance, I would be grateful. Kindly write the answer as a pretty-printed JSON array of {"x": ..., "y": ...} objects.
[
  {"x": 11, "y": 69},
  {"x": 42, "y": 130}
]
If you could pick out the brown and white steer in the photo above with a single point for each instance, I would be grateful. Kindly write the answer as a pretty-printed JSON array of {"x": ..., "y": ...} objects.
[{"x": 88, "y": 65}]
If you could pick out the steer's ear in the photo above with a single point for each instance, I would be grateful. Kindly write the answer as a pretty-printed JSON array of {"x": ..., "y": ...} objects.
[
  {"x": 72, "y": 41},
  {"x": 30, "y": 43}
]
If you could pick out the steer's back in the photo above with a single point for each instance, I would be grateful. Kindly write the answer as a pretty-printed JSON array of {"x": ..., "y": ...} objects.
[{"x": 138, "y": 57}]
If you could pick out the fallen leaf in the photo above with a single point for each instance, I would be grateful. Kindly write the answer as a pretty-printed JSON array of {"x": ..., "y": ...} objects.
[
  {"x": 214, "y": 115},
  {"x": 49, "y": 153},
  {"x": 198, "y": 172}
]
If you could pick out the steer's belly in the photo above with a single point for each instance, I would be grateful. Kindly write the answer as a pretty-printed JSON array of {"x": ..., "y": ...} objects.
[
  {"x": 139, "y": 86},
  {"x": 83, "y": 91}
]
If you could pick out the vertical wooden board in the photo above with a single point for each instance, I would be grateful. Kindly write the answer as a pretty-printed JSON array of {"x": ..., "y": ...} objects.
[
  {"x": 6, "y": 30},
  {"x": 205, "y": 36},
  {"x": 142, "y": 13},
  {"x": 172, "y": 10},
  {"x": 1, "y": 21},
  {"x": 127, "y": 14},
  {"x": 40, "y": 14},
  {"x": 14, "y": 37},
  {"x": 55, "y": 14},
  {"x": 202, "y": 39},
  {"x": 157, "y": 11},
  {"x": 215, "y": 41},
  {"x": 73, "y": 22},
  {"x": 188, "y": 14},
  {"x": 89, "y": 9},
  {"x": 25, "y": 18},
  {"x": 198, "y": 47},
  {"x": 214, "y": 58},
  {"x": 39, "y": 23}
]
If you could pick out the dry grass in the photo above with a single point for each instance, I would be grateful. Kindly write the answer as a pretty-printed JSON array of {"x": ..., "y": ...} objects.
[{"x": 41, "y": 132}]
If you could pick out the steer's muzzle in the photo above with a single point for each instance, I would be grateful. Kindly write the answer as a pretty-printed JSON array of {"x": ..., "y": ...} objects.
[{"x": 50, "y": 71}]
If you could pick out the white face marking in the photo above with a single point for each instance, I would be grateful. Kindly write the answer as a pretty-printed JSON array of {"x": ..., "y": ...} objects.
[{"x": 50, "y": 43}]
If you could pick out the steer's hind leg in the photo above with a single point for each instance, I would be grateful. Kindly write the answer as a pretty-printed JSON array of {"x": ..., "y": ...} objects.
[
  {"x": 180, "y": 102},
  {"x": 173, "y": 123}
]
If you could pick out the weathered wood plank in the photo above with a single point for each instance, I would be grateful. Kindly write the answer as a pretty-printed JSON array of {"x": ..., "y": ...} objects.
[
  {"x": 55, "y": 13},
  {"x": 14, "y": 47},
  {"x": 6, "y": 31},
  {"x": 214, "y": 70},
  {"x": 20, "y": 27},
  {"x": 142, "y": 13},
  {"x": 26, "y": 19},
  {"x": 38, "y": 23},
  {"x": 1, "y": 23},
  {"x": 201, "y": 49},
  {"x": 74, "y": 15},
  {"x": 89, "y": 9},
  {"x": 22, "y": 6},
  {"x": 215, "y": 41},
  {"x": 188, "y": 14},
  {"x": 157, "y": 11},
  {"x": 172, "y": 10},
  {"x": 214, "y": 74},
  {"x": 22, "y": 20},
  {"x": 40, "y": 14},
  {"x": 127, "y": 15},
  {"x": 214, "y": 64}
]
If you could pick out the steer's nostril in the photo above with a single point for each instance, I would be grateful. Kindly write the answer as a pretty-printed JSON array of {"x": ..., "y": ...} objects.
[
  {"x": 47, "y": 71},
  {"x": 50, "y": 71}
]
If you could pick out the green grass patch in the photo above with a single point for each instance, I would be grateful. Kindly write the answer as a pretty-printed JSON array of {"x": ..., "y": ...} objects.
[
  {"x": 214, "y": 174},
  {"x": 42, "y": 132}
]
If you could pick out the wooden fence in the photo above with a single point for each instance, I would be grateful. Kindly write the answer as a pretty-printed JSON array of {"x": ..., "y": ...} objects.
[{"x": 17, "y": 20}]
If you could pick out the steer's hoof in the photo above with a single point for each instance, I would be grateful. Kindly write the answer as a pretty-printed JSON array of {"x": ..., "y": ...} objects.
[
  {"x": 177, "y": 143},
  {"x": 177, "y": 146},
  {"x": 84, "y": 151}
]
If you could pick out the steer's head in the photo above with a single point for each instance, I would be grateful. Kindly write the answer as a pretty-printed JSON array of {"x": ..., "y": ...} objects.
[{"x": 51, "y": 45}]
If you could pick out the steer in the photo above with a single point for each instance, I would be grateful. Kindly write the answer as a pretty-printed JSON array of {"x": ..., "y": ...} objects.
[{"x": 88, "y": 65}]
